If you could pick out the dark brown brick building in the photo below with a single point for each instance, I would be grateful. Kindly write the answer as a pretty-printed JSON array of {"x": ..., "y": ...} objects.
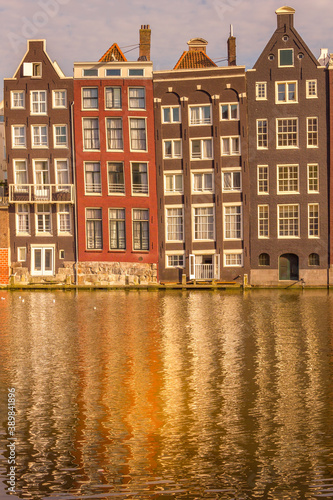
[
  {"x": 201, "y": 161},
  {"x": 288, "y": 161}
]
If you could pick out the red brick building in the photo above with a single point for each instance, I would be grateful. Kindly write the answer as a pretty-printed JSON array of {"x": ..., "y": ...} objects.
[{"x": 115, "y": 167}]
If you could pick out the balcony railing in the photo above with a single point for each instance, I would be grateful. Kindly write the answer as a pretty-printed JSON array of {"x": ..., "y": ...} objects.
[
  {"x": 204, "y": 271},
  {"x": 116, "y": 188},
  {"x": 41, "y": 193}
]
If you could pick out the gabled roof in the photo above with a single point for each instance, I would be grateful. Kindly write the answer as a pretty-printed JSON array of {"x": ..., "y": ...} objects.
[
  {"x": 113, "y": 54},
  {"x": 191, "y": 59}
]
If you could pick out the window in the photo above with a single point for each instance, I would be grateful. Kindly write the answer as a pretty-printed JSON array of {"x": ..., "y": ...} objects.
[
  {"x": 38, "y": 102},
  {"x": 39, "y": 136},
  {"x": 262, "y": 179},
  {"x": 22, "y": 219},
  {"x": 201, "y": 149},
  {"x": 288, "y": 221},
  {"x": 43, "y": 215},
  {"x": 136, "y": 98},
  {"x": 200, "y": 115},
  {"x": 171, "y": 114},
  {"x": 204, "y": 224},
  {"x": 263, "y": 221},
  {"x": 90, "y": 133},
  {"x": 230, "y": 111},
  {"x": 113, "y": 72},
  {"x": 140, "y": 229},
  {"x": 136, "y": 72},
  {"x": 261, "y": 91},
  {"x": 18, "y": 99},
  {"x": 233, "y": 258},
  {"x": 230, "y": 145},
  {"x": 113, "y": 97},
  {"x": 90, "y": 72},
  {"x": 174, "y": 224},
  {"x": 92, "y": 176},
  {"x": 313, "y": 210},
  {"x": 36, "y": 69},
  {"x": 60, "y": 136},
  {"x": 62, "y": 174},
  {"x": 286, "y": 57},
  {"x": 140, "y": 178},
  {"x": 94, "y": 228},
  {"x": 114, "y": 133},
  {"x": 42, "y": 261},
  {"x": 64, "y": 218},
  {"x": 262, "y": 134},
  {"x": 232, "y": 222},
  {"x": 311, "y": 89},
  {"x": 264, "y": 259},
  {"x": 138, "y": 134},
  {"x": 22, "y": 254},
  {"x": 61, "y": 254},
  {"x": 313, "y": 178},
  {"x": 172, "y": 148},
  {"x": 202, "y": 182},
  {"x": 231, "y": 181},
  {"x": 314, "y": 259},
  {"x": 312, "y": 132},
  {"x": 176, "y": 260},
  {"x": 173, "y": 183},
  {"x": 21, "y": 174},
  {"x": 18, "y": 136},
  {"x": 116, "y": 178},
  {"x": 285, "y": 92},
  {"x": 60, "y": 99},
  {"x": 287, "y": 179},
  {"x": 90, "y": 98},
  {"x": 117, "y": 229},
  {"x": 42, "y": 175},
  {"x": 287, "y": 133}
]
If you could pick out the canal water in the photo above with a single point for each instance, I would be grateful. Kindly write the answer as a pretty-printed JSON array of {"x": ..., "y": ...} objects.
[{"x": 177, "y": 394}]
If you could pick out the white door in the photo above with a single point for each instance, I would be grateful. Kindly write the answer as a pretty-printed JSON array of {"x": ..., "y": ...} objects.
[{"x": 42, "y": 261}]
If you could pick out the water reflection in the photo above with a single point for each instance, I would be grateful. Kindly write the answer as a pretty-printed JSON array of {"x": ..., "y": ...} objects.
[{"x": 189, "y": 394}]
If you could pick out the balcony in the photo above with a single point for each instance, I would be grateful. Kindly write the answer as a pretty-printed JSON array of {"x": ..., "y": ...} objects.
[
  {"x": 41, "y": 193},
  {"x": 204, "y": 271}
]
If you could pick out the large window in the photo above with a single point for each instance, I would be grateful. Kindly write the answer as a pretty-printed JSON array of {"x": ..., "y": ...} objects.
[
  {"x": 59, "y": 98},
  {"x": 232, "y": 222},
  {"x": 286, "y": 92},
  {"x": 21, "y": 172},
  {"x": 312, "y": 132},
  {"x": 313, "y": 221},
  {"x": 262, "y": 179},
  {"x": 201, "y": 149},
  {"x": 202, "y": 182},
  {"x": 140, "y": 229},
  {"x": 91, "y": 133},
  {"x": 263, "y": 221},
  {"x": 38, "y": 102},
  {"x": 230, "y": 111},
  {"x": 172, "y": 148},
  {"x": 138, "y": 135},
  {"x": 114, "y": 131},
  {"x": 117, "y": 229},
  {"x": 200, "y": 115},
  {"x": 17, "y": 99},
  {"x": 60, "y": 136},
  {"x": 62, "y": 173},
  {"x": 262, "y": 134},
  {"x": 173, "y": 183},
  {"x": 92, "y": 175},
  {"x": 113, "y": 97},
  {"x": 288, "y": 220},
  {"x": 42, "y": 173},
  {"x": 136, "y": 98},
  {"x": 43, "y": 215},
  {"x": 174, "y": 224},
  {"x": 39, "y": 136},
  {"x": 64, "y": 219},
  {"x": 204, "y": 223},
  {"x": 94, "y": 228},
  {"x": 23, "y": 219},
  {"x": 231, "y": 181},
  {"x": 90, "y": 98},
  {"x": 140, "y": 178},
  {"x": 18, "y": 136},
  {"x": 313, "y": 178},
  {"x": 287, "y": 133},
  {"x": 230, "y": 145},
  {"x": 288, "y": 179},
  {"x": 171, "y": 114},
  {"x": 116, "y": 178}
]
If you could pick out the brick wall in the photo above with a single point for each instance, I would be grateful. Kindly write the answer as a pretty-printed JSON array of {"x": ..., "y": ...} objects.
[{"x": 4, "y": 246}]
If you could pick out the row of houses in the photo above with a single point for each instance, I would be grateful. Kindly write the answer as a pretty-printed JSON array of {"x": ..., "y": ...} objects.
[{"x": 121, "y": 174}]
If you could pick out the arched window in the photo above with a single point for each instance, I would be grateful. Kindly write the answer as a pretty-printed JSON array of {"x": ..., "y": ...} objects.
[
  {"x": 264, "y": 259},
  {"x": 313, "y": 259}
]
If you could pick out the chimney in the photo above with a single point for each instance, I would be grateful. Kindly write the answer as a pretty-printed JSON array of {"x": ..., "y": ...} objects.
[
  {"x": 231, "y": 48},
  {"x": 145, "y": 34},
  {"x": 285, "y": 17}
]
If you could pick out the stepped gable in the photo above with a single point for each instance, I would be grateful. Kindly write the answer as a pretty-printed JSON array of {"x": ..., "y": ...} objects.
[{"x": 113, "y": 54}]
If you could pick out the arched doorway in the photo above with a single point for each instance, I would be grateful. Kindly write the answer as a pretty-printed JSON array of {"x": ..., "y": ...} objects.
[{"x": 288, "y": 267}]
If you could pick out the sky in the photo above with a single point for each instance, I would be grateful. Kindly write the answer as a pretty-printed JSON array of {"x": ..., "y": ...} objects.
[{"x": 82, "y": 30}]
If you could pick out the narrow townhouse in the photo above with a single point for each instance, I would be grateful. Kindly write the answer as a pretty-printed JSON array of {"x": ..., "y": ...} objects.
[
  {"x": 37, "y": 110},
  {"x": 201, "y": 161},
  {"x": 115, "y": 167},
  {"x": 288, "y": 161}
]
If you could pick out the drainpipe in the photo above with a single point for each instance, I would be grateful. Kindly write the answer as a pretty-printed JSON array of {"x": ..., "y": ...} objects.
[{"x": 75, "y": 204}]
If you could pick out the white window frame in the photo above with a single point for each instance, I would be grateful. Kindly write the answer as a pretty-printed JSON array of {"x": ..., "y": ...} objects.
[
  {"x": 44, "y": 175},
  {"x": 174, "y": 253},
  {"x": 20, "y": 251},
  {"x": 146, "y": 222},
  {"x": 231, "y": 150},
  {"x": 58, "y": 172},
  {"x": 130, "y": 130},
  {"x": 61, "y": 211},
  {"x": 111, "y": 89},
  {"x": 54, "y": 99},
  {"x": 39, "y": 102},
  {"x": 145, "y": 187},
  {"x": 26, "y": 215},
  {"x": 288, "y": 236},
  {"x": 63, "y": 145},
  {"x": 309, "y": 94},
  {"x": 201, "y": 157},
  {"x": 316, "y": 179},
  {"x": 144, "y": 97},
  {"x": 114, "y": 119},
  {"x": 202, "y": 173},
  {"x": 167, "y": 217},
  {"x": 259, "y": 167},
  {"x": 120, "y": 224},
  {"x": 286, "y": 65},
  {"x": 84, "y": 98},
  {"x": 94, "y": 219},
  {"x": 173, "y": 174},
  {"x": 45, "y": 231},
  {"x": 205, "y": 205},
  {"x": 286, "y": 83},
  {"x": 233, "y": 252},
  {"x": 12, "y": 99},
  {"x": 171, "y": 108},
  {"x": 289, "y": 178},
  {"x": 258, "y": 92},
  {"x": 173, "y": 154},
  {"x": 16, "y": 171},
  {"x": 36, "y": 70},
  {"x": 316, "y": 131},
  {"x": 202, "y": 120},
  {"x": 278, "y": 134},
  {"x": 311, "y": 220},
  {"x": 23, "y": 136},
  {"x": 262, "y": 221},
  {"x": 91, "y": 139},
  {"x": 96, "y": 187},
  {"x": 229, "y": 104},
  {"x": 262, "y": 136},
  {"x": 40, "y": 135},
  {"x": 121, "y": 190},
  {"x": 234, "y": 205},
  {"x": 232, "y": 171}
]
